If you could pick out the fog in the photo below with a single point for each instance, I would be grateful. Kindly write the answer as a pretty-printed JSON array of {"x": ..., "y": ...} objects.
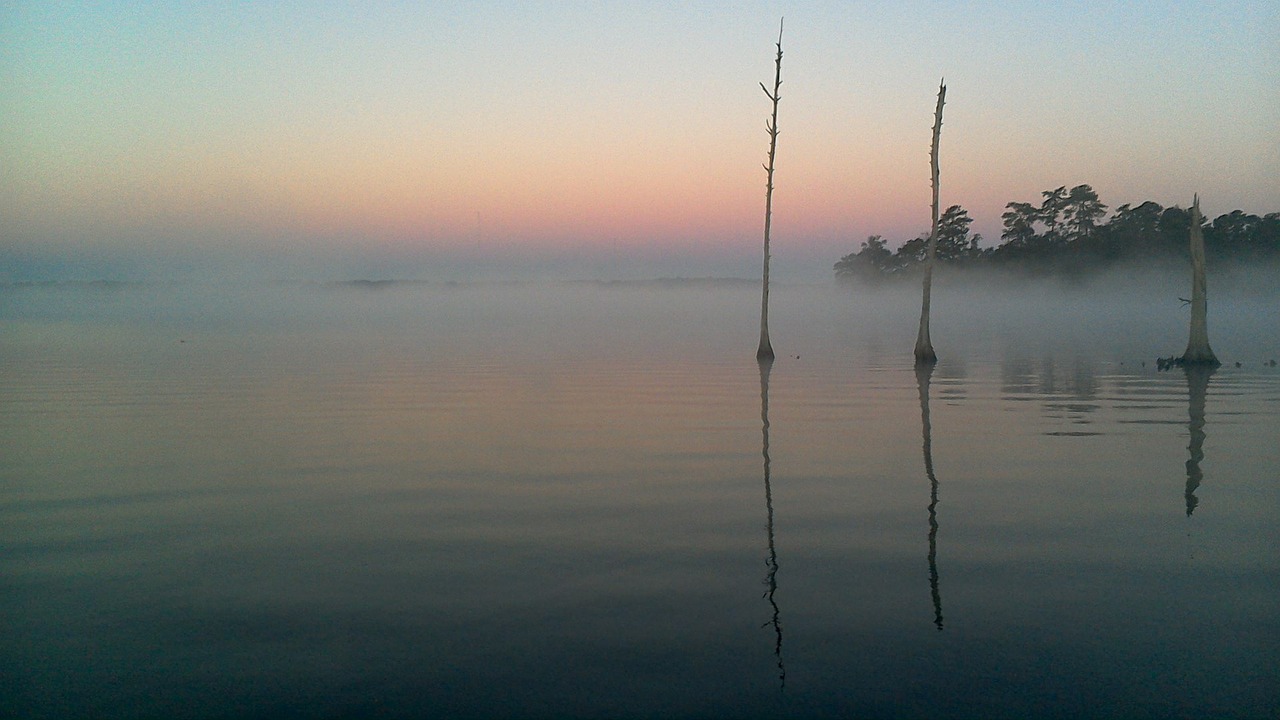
[
  {"x": 1123, "y": 313},
  {"x": 239, "y": 261},
  {"x": 1126, "y": 315},
  {"x": 241, "y": 258}
]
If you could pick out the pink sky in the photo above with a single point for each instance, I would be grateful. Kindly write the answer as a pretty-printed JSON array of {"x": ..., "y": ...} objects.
[{"x": 640, "y": 126}]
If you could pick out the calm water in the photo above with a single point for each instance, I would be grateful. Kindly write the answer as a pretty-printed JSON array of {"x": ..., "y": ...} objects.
[{"x": 584, "y": 500}]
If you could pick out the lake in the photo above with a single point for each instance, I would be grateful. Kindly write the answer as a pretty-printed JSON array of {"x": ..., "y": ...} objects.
[{"x": 589, "y": 500}]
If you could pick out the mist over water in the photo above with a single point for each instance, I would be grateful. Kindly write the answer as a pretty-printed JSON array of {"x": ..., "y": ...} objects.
[{"x": 587, "y": 499}]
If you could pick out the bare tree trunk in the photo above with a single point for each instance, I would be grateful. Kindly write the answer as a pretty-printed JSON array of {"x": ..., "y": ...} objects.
[
  {"x": 924, "y": 346},
  {"x": 1198, "y": 350},
  {"x": 766, "y": 348}
]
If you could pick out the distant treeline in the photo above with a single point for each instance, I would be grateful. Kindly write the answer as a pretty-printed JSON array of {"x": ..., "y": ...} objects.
[{"x": 1067, "y": 234}]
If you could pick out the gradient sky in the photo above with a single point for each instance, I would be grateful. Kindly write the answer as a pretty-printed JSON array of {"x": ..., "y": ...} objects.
[{"x": 599, "y": 138}]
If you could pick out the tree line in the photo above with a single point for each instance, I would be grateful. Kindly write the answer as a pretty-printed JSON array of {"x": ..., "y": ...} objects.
[{"x": 1069, "y": 232}]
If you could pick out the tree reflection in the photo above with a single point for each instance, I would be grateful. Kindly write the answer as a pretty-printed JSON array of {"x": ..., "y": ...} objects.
[
  {"x": 1197, "y": 390},
  {"x": 771, "y": 577},
  {"x": 1069, "y": 394},
  {"x": 924, "y": 374}
]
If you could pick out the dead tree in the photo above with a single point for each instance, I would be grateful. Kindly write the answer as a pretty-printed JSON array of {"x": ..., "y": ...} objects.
[
  {"x": 1198, "y": 351},
  {"x": 924, "y": 346},
  {"x": 766, "y": 348}
]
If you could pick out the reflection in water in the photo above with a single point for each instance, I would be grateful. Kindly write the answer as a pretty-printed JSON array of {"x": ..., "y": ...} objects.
[
  {"x": 389, "y": 533},
  {"x": 1197, "y": 390},
  {"x": 1067, "y": 393},
  {"x": 923, "y": 375},
  {"x": 771, "y": 578},
  {"x": 954, "y": 387}
]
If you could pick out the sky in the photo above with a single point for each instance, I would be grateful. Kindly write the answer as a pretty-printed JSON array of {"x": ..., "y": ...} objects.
[{"x": 424, "y": 140}]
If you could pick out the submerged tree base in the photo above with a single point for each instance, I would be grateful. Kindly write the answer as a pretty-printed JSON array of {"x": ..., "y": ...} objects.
[
  {"x": 926, "y": 357},
  {"x": 1206, "y": 359},
  {"x": 765, "y": 353},
  {"x": 1186, "y": 361}
]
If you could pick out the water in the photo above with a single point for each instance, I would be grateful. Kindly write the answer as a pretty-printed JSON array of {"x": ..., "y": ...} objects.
[{"x": 586, "y": 500}]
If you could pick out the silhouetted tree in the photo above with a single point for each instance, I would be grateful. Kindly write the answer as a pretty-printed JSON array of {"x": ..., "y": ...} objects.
[
  {"x": 1241, "y": 235},
  {"x": 1019, "y": 234},
  {"x": 1267, "y": 235},
  {"x": 1050, "y": 214},
  {"x": 1233, "y": 232},
  {"x": 954, "y": 244},
  {"x": 1019, "y": 223},
  {"x": 1081, "y": 211},
  {"x": 1068, "y": 232},
  {"x": 766, "y": 348},
  {"x": 873, "y": 261},
  {"x": 954, "y": 241},
  {"x": 1175, "y": 223},
  {"x": 914, "y": 251},
  {"x": 1135, "y": 230}
]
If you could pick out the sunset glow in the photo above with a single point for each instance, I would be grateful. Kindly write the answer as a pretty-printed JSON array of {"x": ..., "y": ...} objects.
[{"x": 554, "y": 126}]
